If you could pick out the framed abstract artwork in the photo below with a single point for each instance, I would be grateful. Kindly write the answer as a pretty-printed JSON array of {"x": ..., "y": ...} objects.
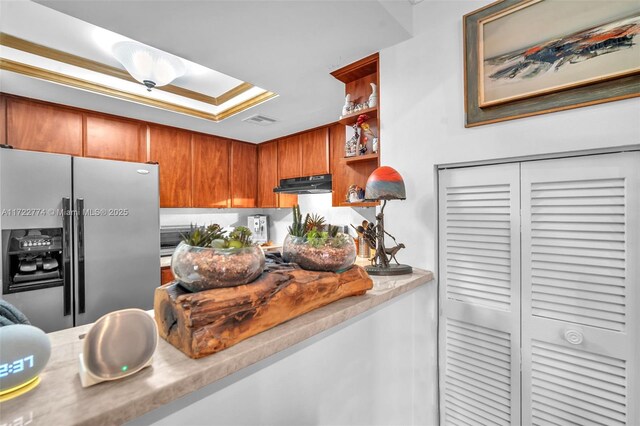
[{"x": 529, "y": 57}]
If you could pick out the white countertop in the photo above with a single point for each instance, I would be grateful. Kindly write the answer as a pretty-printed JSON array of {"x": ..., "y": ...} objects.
[{"x": 60, "y": 400}]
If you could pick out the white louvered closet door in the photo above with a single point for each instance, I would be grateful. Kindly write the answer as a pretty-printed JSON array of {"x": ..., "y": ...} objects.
[
  {"x": 580, "y": 296},
  {"x": 480, "y": 295}
]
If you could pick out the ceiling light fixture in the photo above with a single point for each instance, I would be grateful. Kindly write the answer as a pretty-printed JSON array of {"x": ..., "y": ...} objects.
[{"x": 148, "y": 65}]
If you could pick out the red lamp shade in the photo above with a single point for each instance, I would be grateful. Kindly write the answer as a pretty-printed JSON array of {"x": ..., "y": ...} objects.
[{"x": 385, "y": 183}]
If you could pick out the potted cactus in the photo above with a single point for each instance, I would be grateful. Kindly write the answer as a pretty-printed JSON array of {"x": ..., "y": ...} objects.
[
  {"x": 315, "y": 246},
  {"x": 209, "y": 258}
]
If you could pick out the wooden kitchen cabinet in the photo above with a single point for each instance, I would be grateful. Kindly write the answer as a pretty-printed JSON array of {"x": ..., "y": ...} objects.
[
  {"x": 166, "y": 275},
  {"x": 357, "y": 78},
  {"x": 171, "y": 149},
  {"x": 196, "y": 170},
  {"x": 210, "y": 165},
  {"x": 3, "y": 120},
  {"x": 114, "y": 139},
  {"x": 287, "y": 200},
  {"x": 268, "y": 178},
  {"x": 244, "y": 174},
  {"x": 267, "y": 174},
  {"x": 289, "y": 157},
  {"x": 315, "y": 152},
  {"x": 289, "y": 166},
  {"x": 40, "y": 127},
  {"x": 304, "y": 154}
]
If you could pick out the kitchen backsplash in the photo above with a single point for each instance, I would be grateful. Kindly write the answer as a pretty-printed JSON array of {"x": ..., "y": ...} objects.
[
  {"x": 321, "y": 204},
  {"x": 223, "y": 217},
  {"x": 279, "y": 219}
]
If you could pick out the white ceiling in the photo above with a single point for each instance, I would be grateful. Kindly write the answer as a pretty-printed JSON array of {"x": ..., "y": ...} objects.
[{"x": 288, "y": 47}]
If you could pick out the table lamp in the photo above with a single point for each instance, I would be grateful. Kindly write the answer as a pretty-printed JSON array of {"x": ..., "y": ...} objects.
[{"x": 385, "y": 183}]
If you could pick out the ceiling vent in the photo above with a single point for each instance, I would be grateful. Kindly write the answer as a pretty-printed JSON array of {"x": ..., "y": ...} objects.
[{"x": 260, "y": 120}]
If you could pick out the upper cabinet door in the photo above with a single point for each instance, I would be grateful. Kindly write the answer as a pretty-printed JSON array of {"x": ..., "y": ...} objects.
[
  {"x": 38, "y": 127},
  {"x": 114, "y": 139},
  {"x": 267, "y": 174},
  {"x": 3, "y": 120},
  {"x": 244, "y": 174},
  {"x": 210, "y": 171},
  {"x": 289, "y": 157},
  {"x": 315, "y": 152},
  {"x": 171, "y": 149}
]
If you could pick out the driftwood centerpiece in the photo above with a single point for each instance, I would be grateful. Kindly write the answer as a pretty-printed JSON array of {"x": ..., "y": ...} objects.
[{"x": 203, "y": 323}]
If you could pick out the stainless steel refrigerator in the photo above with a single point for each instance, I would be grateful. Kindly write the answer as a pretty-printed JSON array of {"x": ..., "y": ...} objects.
[{"x": 80, "y": 236}]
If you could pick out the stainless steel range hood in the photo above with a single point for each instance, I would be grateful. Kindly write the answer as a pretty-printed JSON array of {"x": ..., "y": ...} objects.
[{"x": 320, "y": 184}]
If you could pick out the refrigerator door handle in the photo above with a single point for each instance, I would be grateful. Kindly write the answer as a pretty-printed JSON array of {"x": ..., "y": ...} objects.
[
  {"x": 81, "y": 266},
  {"x": 66, "y": 254}
]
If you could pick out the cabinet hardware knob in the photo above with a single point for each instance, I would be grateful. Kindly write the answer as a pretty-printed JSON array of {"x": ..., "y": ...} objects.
[{"x": 573, "y": 336}]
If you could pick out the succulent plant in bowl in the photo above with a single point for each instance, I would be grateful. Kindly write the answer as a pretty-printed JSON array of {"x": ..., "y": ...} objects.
[
  {"x": 316, "y": 246},
  {"x": 209, "y": 258}
]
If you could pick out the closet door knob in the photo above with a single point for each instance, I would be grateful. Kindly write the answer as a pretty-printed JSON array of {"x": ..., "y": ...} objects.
[{"x": 573, "y": 336}]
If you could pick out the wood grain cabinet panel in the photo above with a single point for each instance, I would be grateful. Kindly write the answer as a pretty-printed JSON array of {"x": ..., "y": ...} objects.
[
  {"x": 171, "y": 149},
  {"x": 358, "y": 78},
  {"x": 166, "y": 275},
  {"x": 38, "y": 127},
  {"x": 114, "y": 139},
  {"x": 3, "y": 120},
  {"x": 339, "y": 171},
  {"x": 287, "y": 200},
  {"x": 210, "y": 164},
  {"x": 267, "y": 174},
  {"x": 289, "y": 157},
  {"x": 244, "y": 174},
  {"x": 289, "y": 166},
  {"x": 315, "y": 152}
]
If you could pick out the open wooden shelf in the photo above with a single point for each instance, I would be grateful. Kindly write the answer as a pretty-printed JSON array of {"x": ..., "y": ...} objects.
[
  {"x": 350, "y": 120},
  {"x": 363, "y": 204},
  {"x": 358, "y": 78},
  {"x": 363, "y": 67},
  {"x": 361, "y": 158}
]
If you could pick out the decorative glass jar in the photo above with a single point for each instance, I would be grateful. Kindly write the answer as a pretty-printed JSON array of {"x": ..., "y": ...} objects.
[
  {"x": 204, "y": 268},
  {"x": 336, "y": 254}
]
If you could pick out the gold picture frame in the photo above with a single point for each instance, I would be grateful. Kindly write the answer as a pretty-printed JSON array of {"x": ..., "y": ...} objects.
[{"x": 578, "y": 61}]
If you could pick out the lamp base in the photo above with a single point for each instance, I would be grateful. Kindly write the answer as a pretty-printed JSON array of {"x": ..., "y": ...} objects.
[{"x": 391, "y": 270}]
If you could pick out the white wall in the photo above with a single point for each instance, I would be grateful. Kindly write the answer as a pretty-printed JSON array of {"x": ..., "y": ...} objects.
[
  {"x": 318, "y": 204},
  {"x": 422, "y": 118},
  {"x": 223, "y": 217},
  {"x": 321, "y": 204}
]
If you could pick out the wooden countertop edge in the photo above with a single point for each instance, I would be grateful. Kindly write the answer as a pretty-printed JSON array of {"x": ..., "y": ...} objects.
[{"x": 120, "y": 401}]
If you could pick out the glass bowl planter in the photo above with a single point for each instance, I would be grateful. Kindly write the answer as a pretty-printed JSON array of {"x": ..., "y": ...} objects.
[
  {"x": 332, "y": 254},
  {"x": 204, "y": 268}
]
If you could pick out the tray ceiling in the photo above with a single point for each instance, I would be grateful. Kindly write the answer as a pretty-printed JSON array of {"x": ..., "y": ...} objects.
[{"x": 232, "y": 48}]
